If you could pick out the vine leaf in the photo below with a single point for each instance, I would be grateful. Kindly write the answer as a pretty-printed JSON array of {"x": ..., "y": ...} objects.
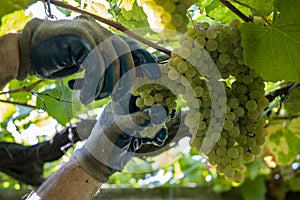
[
  {"x": 216, "y": 10},
  {"x": 51, "y": 101},
  {"x": 284, "y": 141},
  {"x": 265, "y": 7},
  {"x": 273, "y": 51},
  {"x": 219, "y": 12}
]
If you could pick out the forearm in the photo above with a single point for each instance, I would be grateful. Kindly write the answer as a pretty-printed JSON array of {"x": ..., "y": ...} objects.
[{"x": 70, "y": 182}]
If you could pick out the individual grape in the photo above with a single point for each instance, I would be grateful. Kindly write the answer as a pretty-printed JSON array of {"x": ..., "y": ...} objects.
[
  {"x": 184, "y": 52},
  {"x": 166, "y": 18},
  {"x": 251, "y": 105},
  {"x": 248, "y": 157},
  {"x": 211, "y": 45},
  {"x": 169, "y": 6},
  {"x": 201, "y": 41},
  {"x": 236, "y": 163},
  {"x": 232, "y": 153},
  {"x": 196, "y": 53},
  {"x": 228, "y": 124},
  {"x": 242, "y": 98},
  {"x": 201, "y": 125},
  {"x": 182, "y": 67},
  {"x": 231, "y": 116},
  {"x": 220, "y": 168},
  {"x": 253, "y": 114},
  {"x": 229, "y": 171},
  {"x": 238, "y": 177},
  {"x": 255, "y": 150},
  {"x": 250, "y": 142},
  {"x": 198, "y": 91},
  {"x": 211, "y": 33},
  {"x": 239, "y": 111},
  {"x": 140, "y": 102},
  {"x": 224, "y": 58},
  {"x": 215, "y": 159},
  {"x": 242, "y": 169},
  {"x": 238, "y": 52},
  {"x": 149, "y": 100},
  {"x": 234, "y": 131},
  {"x": 221, "y": 151},
  {"x": 173, "y": 74},
  {"x": 240, "y": 139},
  {"x": 233, "y": 103},
  {"x": 190, "y": 73},
  {"x": 263, "y": 102},
  {"x": 226, "y": 160},
  {"x": 222, "y": 142},
  {"x": 188, "y": 43},
  {"x": 223, "y": 47},
  {"x": 158, "y": 97}
]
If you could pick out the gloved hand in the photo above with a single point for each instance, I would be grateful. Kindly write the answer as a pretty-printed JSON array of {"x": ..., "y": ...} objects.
[
  {"x": 55, "y": 49},
  {"x": 114, "y": 140}
]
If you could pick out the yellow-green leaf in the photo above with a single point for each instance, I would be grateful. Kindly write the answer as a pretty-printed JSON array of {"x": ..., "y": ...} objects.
[{"x": 284, "y": 141}]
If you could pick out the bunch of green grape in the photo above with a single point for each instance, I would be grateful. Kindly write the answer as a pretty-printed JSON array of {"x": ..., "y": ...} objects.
[
  {"x": 225, "y": 124},
  {"x": 158, "y": 92},
  {"x": 167, "y": 16}
]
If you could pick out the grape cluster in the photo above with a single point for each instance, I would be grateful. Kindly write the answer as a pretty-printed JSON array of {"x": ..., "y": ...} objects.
[
  {"x": 150, "y": 93},
  {"x": 167, "y": 16},
  {"x": 225, "y": 123}
]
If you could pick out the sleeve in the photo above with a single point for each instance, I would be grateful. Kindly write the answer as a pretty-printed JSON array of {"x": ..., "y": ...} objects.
[{"x": 9, "y": 58}]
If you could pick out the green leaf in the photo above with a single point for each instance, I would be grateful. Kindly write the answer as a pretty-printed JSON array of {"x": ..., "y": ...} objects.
[
  {"x": 52, "y": 101},
  {"x": 284, "y": 141},
  {"x": 12, "y": 5},
  {"x": 217, "y": 11},
  {"x": 254, "y": 190},
  {"x": 265, "y": 7},
  {"x": 274, "y": 51}
]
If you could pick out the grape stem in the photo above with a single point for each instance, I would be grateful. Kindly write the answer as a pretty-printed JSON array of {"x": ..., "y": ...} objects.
[
  {"x": 284, "y": 91},
  {"x": 235, "y": 10},
  {"x": 116, "y": 25}
]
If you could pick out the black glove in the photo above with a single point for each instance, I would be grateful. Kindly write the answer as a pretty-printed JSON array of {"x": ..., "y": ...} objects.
[{"x": 55, "y": 49}]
